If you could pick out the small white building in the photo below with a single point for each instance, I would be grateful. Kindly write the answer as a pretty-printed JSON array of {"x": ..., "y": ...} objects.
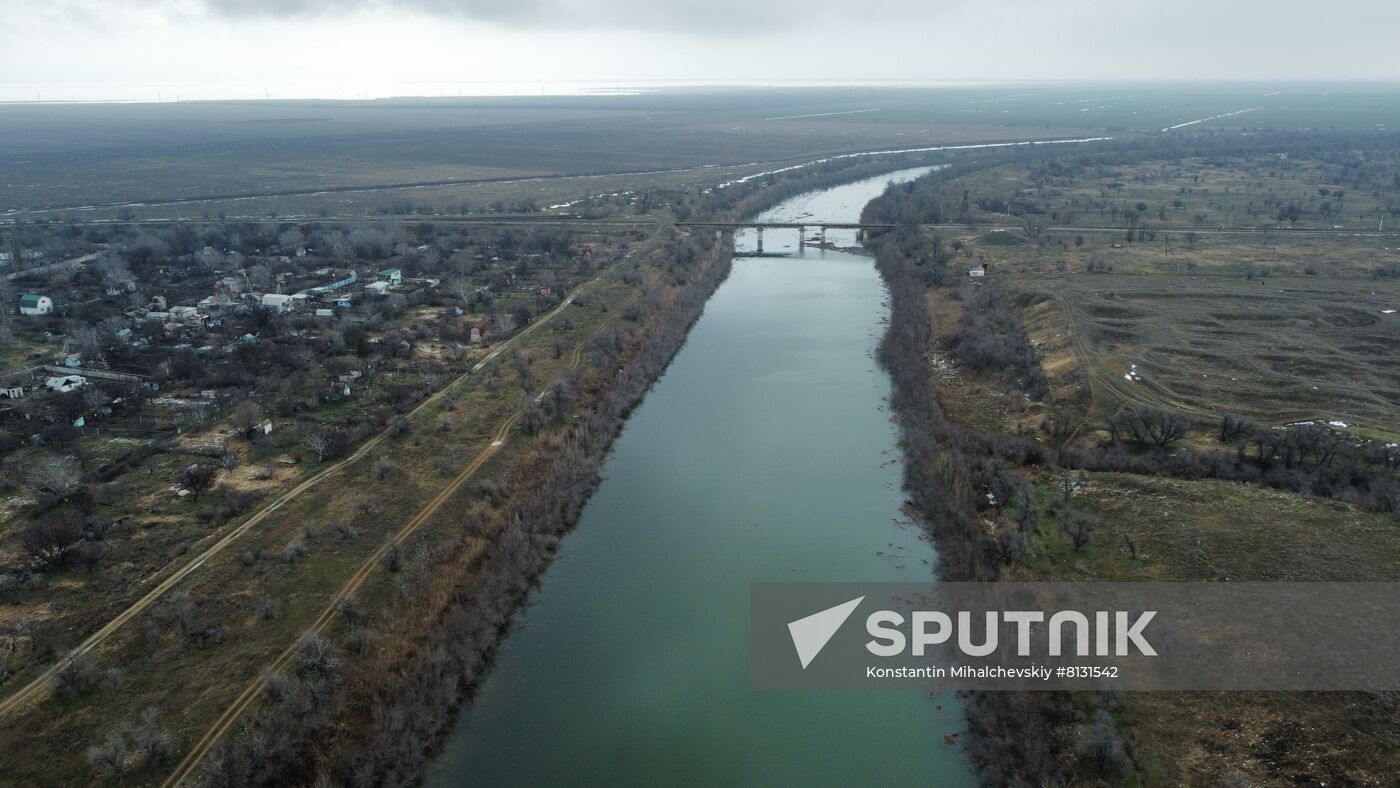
[
  {"x": 12, "y": 392},
  {"x": 378, "y": 288},
  {"x": 277, "y": 302},
  {"x": 977, "y": 271},
  {"x": 325, "y": 313},
  {"x": 65, "y": 383},
  {"x": 184, "y": 314},
  {"x": 35, "y": 304}
]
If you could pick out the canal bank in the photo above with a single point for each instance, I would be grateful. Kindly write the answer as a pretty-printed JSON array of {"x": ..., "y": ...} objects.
[{"x": 765, "y": 452}]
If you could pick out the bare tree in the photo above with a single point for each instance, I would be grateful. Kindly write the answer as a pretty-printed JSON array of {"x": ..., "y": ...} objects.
[
  {"x": 110, "y": 755},
  {"x": 316, "y": 440},
  {"x": 317, "y": 657},
  {"x": 9, "y": 640},
  {"x": 1234, "y": 427},
  {"x": 1078, "y": 526},
  {"x": 246, "y": 415},
  {"x": 49, "y": 540},
  {"x": 199, "y": 477},
  {"x": 1148, "y": 427},
  {"x": 58, "y": 476},
  {"x": 151, "y": 740}
]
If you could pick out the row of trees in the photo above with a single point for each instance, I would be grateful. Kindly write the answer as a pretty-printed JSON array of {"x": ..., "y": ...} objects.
[{"x": 990, "y": 337}]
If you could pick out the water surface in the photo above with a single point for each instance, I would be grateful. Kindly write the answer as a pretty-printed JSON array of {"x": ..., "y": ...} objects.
[{"x": 764, "y": 453}]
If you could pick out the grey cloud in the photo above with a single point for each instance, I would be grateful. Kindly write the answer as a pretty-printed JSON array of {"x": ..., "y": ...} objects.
[{"x": 706, "y": 16}]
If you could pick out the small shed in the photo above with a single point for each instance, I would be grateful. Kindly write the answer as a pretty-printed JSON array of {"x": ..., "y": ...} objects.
[
  {"x": 977, "y": 271},
  {"x": 35, "y": 304}
]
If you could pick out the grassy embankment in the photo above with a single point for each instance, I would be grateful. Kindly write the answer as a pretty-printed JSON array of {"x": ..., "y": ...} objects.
[
  {"x": 1277, "y": 328},
  {"x": 1307, "y": 347}
]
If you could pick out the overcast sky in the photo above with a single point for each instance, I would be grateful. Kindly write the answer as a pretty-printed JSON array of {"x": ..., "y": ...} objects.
[{"x": 97, "y": 49}]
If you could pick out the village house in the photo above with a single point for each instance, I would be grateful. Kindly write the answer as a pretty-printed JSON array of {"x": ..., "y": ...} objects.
[
  {"x": 12, "y": 392},
  {"x": 377, "y": 288},
  {"x": 184, "y": 314},
  {"x": 393, "y": 276},
  {"x": 277, "y": 302},
  {"x": 349, "y": 279},
  {"x": 65, "y": 383},
  {"x": 478, "y": 333},
  {"x": 35, "y": 304},
  {"x": 213, "y": 303}
]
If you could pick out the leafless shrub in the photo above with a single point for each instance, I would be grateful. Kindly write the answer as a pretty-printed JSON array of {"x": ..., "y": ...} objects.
[
  {"x": 268, "y": 608},
  {"x": 382, "y": 469},
  {"x": 295, "y": 550},
  {"x": 317, "y": 657},
  {"x": 76, "y": 678},
  {"x": 109, "y": 756}
]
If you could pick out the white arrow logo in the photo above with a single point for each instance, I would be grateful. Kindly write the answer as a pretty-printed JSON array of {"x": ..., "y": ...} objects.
[{"x": 811, "y": 634}]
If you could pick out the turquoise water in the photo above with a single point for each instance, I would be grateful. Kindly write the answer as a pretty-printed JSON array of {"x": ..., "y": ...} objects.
[{"x": 764, "y": 453}]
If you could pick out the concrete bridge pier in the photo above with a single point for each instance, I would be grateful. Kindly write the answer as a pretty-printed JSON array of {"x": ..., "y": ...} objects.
[
  {"x": 801, "y": 239},
  {"x": 823, "y": 235},
  {"x": 760, "y": 240}
]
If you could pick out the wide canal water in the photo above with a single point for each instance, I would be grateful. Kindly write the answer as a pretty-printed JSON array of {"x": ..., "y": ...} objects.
[{"x": 764, "y": 453}]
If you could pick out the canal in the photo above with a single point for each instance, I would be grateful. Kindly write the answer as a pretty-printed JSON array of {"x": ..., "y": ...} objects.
[{"x": 765, "y": 453}]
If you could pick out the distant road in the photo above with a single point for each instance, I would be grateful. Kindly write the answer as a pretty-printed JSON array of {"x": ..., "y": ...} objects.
[
  {"x": 574, "y": 222},
  {"x": 48, "y": 268},
  {"x": 784, "y": 164},
  {"x": 1181, "y": 230}
]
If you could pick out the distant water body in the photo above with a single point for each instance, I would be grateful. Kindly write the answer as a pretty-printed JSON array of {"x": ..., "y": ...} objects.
[
  {"x": 765, "y": 452},
  {"x": 104, "y": 92}
]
